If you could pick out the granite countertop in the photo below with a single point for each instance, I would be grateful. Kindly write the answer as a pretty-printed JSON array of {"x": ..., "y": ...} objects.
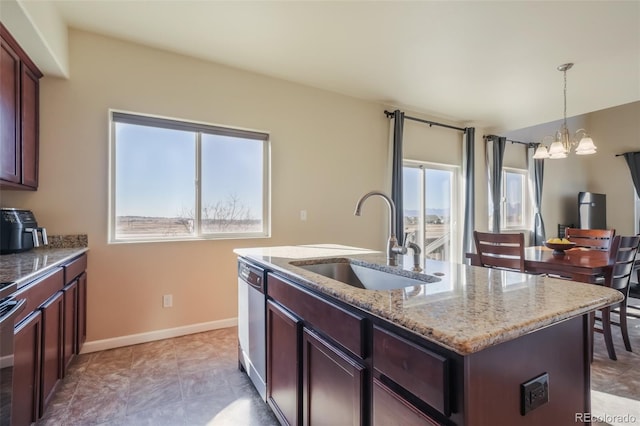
[
  {"x": 470, "y": 309},
  {"x": 24, "y": 267}
]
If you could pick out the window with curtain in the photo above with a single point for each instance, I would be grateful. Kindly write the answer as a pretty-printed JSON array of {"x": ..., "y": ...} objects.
[
  {"x": 430, "y": 208},
  {"x": 515, "y": 200}
]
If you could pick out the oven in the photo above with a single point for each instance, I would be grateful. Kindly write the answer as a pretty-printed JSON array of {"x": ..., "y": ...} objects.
[{"x": 10, "y": 308}]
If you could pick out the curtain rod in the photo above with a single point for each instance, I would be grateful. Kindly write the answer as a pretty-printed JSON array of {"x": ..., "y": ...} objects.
[
  {"x": 430, "y": 123},
  {"x": 529, "y": 144}
]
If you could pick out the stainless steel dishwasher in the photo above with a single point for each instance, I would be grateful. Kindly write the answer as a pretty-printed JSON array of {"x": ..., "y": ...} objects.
[{"x": 252, "y": 353}]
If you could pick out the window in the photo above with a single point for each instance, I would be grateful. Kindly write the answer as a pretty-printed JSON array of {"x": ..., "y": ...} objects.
[
  {"x": 430, "y": 208},
  {"x": 514, "y": 210},
  {"x": 177, "y": 180}
]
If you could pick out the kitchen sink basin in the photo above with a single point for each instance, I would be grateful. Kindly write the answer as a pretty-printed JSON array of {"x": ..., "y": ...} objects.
[{"x": 365, "y": 277}]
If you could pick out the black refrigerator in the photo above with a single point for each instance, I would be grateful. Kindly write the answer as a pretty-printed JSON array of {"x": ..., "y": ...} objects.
[{"x": 592, "y": 210}]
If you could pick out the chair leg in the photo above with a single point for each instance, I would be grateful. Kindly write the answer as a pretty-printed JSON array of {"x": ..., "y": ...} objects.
[
  {"x": 623, "y": 327},
  {"x": 606, "y": 330}
]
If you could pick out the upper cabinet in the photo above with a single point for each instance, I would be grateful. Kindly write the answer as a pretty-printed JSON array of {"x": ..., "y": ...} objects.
[{"x": 19, "y": 88}]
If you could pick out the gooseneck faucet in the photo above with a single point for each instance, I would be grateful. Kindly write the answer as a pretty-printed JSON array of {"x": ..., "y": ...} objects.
[{"x": 393, "y": 249}]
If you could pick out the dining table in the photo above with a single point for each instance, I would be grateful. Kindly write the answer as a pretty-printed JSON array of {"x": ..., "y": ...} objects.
[{"x": 576, "y": 264}]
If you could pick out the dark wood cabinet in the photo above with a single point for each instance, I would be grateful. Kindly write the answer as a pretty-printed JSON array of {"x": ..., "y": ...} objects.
[
  {"x": 283, "y": 363},
  {"x": 82, "y": 312},
  {"x": 70, "y": 323},
  {"x": 332, "y": 383},
  {"x": 26, "y": 369},
  {"x": 52, "y": 346},
  {"x": 389, "y": 408},
  {"x": 19, "y": 116},
  {"x": 48, "y": 333}
]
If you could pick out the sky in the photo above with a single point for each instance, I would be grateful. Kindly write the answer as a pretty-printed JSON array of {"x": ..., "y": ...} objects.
[
  {"x": 155, "y": 171},
  {"x": 437, "y": 188}
]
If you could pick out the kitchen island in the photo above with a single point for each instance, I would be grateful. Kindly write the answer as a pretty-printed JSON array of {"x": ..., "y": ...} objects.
[{"x": 476, "y": 347}]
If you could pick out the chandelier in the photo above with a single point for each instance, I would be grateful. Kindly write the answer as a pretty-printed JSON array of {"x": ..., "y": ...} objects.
[{"x": 563, "y": 141}]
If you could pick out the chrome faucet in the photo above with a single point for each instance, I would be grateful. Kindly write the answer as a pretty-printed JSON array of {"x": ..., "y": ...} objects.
[
  {"x": 416, "y": 252},
  {"x": 393, "y": 249}
]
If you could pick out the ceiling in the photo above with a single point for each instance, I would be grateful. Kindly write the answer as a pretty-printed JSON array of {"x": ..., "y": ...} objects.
[{"x": 487, "y": 64}]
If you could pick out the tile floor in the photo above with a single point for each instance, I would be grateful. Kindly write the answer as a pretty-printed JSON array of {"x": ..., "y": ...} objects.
[
  {"x": 194, "y": 380},
  {"x": 188, "y": 380}
]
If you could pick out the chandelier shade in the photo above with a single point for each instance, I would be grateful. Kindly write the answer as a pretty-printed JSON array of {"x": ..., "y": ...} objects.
[{"x": 563, "y": 142}]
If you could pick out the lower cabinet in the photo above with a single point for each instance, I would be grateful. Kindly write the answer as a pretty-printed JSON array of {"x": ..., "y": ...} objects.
[
  {"x": 283, "y": 367},
  {"x": 26, "y": 370},
  {"x": 47, "y": 335},
  {"x": 332, "y": 384},
  {"x": 82, "y": 312},
  {"x": 389, "y": 408},
  {"x": 52, "y": 346},
  {"x": 70, "y": 323}
]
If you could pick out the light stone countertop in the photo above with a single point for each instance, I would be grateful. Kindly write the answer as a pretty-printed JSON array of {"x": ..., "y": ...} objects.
[
  {"x": 470, "y": 309},
  {"x": 23, "y": 268}
]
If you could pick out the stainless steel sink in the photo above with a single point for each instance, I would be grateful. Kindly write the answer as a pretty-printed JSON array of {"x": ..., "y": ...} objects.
[{"x": 365, "y": 277}]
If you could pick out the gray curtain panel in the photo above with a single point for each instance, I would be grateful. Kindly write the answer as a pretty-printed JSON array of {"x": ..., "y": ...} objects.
[
  {"x": 396, "y": 177},
  {"x": 536, "y": 171},
  {"x": 495, "y": 156},
  {"x": 469, "y": 196},
  {"x": 633, "y": 161}
]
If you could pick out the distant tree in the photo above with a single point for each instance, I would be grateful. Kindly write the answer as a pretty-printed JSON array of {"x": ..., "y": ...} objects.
[{"x": 220, "y": 216}]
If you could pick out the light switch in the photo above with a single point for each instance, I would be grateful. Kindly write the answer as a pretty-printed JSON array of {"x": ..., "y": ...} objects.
[{"x": 303, "y": 215}]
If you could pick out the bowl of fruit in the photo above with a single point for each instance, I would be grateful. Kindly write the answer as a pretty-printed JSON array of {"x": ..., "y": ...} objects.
[{"x": 559, "y": 245}]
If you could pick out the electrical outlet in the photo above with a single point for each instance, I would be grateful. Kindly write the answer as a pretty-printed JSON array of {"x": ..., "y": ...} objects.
[
  {"x": 167, "y": 301},
  {"x": 534, "y": 393}
]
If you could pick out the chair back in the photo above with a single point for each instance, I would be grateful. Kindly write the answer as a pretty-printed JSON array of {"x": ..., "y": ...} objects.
[
  {"x": 598, "y": 239},
  {"x": 500, "y": 250},
  {"x": 622, "y": 256}
]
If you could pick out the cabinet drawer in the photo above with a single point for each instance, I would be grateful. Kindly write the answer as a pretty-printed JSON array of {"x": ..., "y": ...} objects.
[
  {"x": 389, "y": 408},
  {"x": 74, "y": 268},
  {"x": 344, "y": 327},
  {"x": 419, "y": 371},
  {"x": 38, "y": 291}
]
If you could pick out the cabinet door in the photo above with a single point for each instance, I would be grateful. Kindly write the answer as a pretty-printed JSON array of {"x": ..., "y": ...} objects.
[
  {"x": 10, "y": 164},
  {"x": 26, "y": 370},
  {"x": 29, "y": 136},
  {"x": 389, "y": 408},
  {"x": 70, "y": 333},
  {"x": 283, "y": 367},
  {"x": 82, "y": 312},
  {"x": 52, "y": 346},
  {"x": 332, "y": 384}
]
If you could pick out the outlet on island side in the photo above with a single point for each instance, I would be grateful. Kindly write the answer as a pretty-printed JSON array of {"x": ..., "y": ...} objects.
[
  {"x": 534, "y": 393},
  {"x": 167, "y": 301}
]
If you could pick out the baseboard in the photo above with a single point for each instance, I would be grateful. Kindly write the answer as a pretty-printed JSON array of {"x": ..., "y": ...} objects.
[{"x": 134, "y": 339}]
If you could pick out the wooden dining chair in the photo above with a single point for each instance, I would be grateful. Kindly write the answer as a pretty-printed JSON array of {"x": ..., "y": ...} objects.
[
  {"x": 505, "y": 251},
  {"x": 598, "y": 239},
  {"x": 622, "y": 257}
]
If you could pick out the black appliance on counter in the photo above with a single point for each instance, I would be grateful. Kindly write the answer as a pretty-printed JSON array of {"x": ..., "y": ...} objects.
[
  {"x": 19, "y": 231},
  {"x": 10, "y": 308}
]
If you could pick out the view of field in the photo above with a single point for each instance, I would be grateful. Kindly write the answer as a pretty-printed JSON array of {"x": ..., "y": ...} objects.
[{"x": 145, "y": 226}]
